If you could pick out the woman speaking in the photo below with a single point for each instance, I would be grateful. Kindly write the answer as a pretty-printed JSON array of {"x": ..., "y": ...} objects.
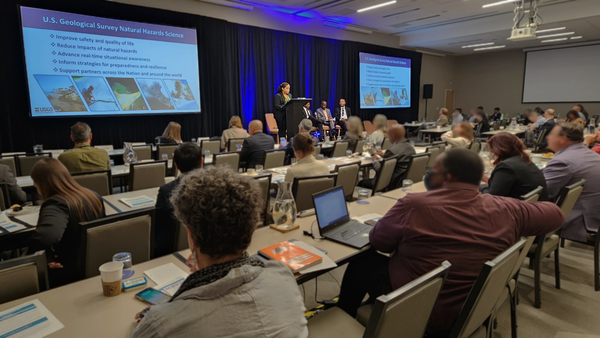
[{"x": 282, "y": 97}]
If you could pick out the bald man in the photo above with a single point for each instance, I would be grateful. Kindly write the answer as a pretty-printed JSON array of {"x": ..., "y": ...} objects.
[
  {"x": 254, "y": 147},
  {"x": 400, "y": 148}
]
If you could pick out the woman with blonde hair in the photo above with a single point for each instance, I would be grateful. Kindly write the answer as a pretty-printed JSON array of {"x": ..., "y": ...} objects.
[
  {"x": 236, "y": 130},
  {"x": 461, "y": 136},
  {"x": 307, "y": 165},
  {"x": 380, "y": 123},
  {"x": 172, "y": 134},
  {"x": 65, "y": 205},
  {"x": 354, "y": 132}
]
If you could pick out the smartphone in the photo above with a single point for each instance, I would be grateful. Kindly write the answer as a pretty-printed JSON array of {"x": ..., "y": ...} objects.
[{"x": 152, "y": 297}]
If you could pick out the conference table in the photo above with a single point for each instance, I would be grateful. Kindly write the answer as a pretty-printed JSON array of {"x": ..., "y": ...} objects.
[
  {"x": 511, "y": 131},
  {"x": 436, "y": 131}
]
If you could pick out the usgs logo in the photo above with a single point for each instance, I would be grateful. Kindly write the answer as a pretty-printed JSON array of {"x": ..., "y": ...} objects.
[{"x": 44, "y": 110}]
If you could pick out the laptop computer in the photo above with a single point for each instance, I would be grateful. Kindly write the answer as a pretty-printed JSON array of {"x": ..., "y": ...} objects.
[{"x": 334, "y": 221}]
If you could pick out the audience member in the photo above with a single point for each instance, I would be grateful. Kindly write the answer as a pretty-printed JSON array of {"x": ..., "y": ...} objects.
[
  {"x": 573, "y": 117},
  {"x": 444, "y": 118},
  {"x": 65, "y": 205},
  {"x": 84, "y": 157},
  {"x": 540, "y": 124},
  {"x": 496, "y": 116},
  {"x": 381, "y": 128},
  {"x": 573, "y": 162},
  {"x": 304, "y": 128},
  {"x": 236, "y": 130},
  {"x": 480, "y": 110},
  {"x": 472, "y": 115},
  {"x": 481, "y": 124},
  {"x": 15, "y": 193},
  {"x": 401, "y": 149},
  {"x": 591, "y": 141},
  {"x": 307, "y": 164},
  {"x": 582, "y": 113},
  {"x": 457, "y": 116},
  {"x": 354, "y": 133},
  {"x": 253, "y": 149},
  {"x": 342, "y": 113},
  {"x": 514, "y": 174},
  {"x": 424, "y": 229},
  {"x": 526, "y": 115},
  {"x": 172, "y": 134},
  {"x": 536, "y": 119},
  {"x": 460, "y": 137},
  {"x": 228, "y": 294},
  {"x": 187, "y": 158}
]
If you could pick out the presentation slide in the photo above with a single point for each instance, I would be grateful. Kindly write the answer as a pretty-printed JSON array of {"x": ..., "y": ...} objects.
[
  {"x": 384, "y": 81},
  {"x": 80, "y": 65}
]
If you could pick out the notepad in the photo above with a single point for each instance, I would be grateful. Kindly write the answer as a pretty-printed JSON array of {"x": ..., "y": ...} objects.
[
  {"x": 30, "y": 319},
  {"x": 137, "y": 202},
  {"x": 8, "y": 225},
  {"x": 165, "y": 274}
]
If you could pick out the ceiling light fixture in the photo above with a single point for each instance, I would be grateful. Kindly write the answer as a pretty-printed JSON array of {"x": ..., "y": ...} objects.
[
  {"x": 498, "y": 3},
  {"x": 576, "y": 37},
  {"x": 551, "y": 30},
  {"x": 376, "y": 6},
  {"x": 555, "y": 40},
  {"x": 486, "y": 48},
  {"x": 555, "y": 35},
  {"x": 479, "y": 45}
]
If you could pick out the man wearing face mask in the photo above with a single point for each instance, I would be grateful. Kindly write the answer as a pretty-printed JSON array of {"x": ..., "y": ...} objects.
[{"x": 424, "y": 229}]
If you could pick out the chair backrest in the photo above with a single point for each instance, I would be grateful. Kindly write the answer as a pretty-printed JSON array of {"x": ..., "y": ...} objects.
[
  {"x": 273, "y": 158},
  {"x": 131, "y": 232},
  {"x": 478, "y": 129},
  {"x": 475, "y": 146},
  {"x": 271, "y": 123},
  {"x": 304, "y": 187},
  {"x": 264, "y": 181},
  {"x": 11, "y": 163},
  {"x": 143, "y": 152},
  {"x": 106, "y": 147},
  {"x": 347, "y": 177},
  {"x": 486, "y": 291},
  {"x": 339, "y": 149},
  {"x": 23, "y": 276},
  {"x": 147, "y": 175},
  {"x": 540, "y": 139},
  {"x": 358, "y": 147},
  {"x": 227, "y": 159},
  {"x": 214, "y": 146},
  {"x": 386, "y": 144},
  {"x": 407, "y": 309},
  {"x": 98, "y": 181},
  {"x": 568, "y": 196},
  {"x": 368, "y": 127},
  {"x": 433, "y": 154},
  {"x": 27, "y": 161},
  {"x": 165, "y": 149},
  {"x": 317, "y": 151},
  {"x": 533, "y": 196},
  {"x": 181, "y": 240},
  {"x": 417, "y": 167},
  {"x": 233, "y": 142},
  {"x": 5, "y": 201},
  {"x": 384, "y": 176}
]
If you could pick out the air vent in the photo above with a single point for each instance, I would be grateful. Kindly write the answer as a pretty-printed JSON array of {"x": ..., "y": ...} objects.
[{"x": 399, "y": 25}]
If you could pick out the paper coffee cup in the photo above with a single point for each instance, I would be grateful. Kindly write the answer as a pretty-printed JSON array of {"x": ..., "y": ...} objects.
[{"x": 111, "y": 274}]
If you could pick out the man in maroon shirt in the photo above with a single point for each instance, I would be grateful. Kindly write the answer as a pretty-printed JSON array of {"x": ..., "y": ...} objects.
[{"x": 453, "y": 222}]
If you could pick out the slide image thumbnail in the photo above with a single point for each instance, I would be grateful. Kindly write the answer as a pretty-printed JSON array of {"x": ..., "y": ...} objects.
[
  {"x": 61, "y": 93},
  {"x": 96, "y": 93},
  {"x": 157, "y": 95},
  {"x": 182, "y": 94},
  {"x": 127, "y": 93},
  {"x": 387, "y": 98},
  {"x": 367, "y": 96},
  {"x": 396, "y": 94},
  {"x": 377, "y": 96}
]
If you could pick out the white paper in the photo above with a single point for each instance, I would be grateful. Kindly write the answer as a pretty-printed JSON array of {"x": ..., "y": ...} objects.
[
  {"x": 165, "y": 274},
  {"x": 138, "y": 201},
  {"x": 171, "y": 287},
  {"x": 31, "y": 218},
  {"x": 31, "y": 319},
  {"x": 367, "y": 217},
  {"x": 9, "y": 225},
  {"x": 327, "y": 262}
]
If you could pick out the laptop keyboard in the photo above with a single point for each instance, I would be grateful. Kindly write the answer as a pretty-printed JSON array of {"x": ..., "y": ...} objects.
[{"x": 350, "y": 230}]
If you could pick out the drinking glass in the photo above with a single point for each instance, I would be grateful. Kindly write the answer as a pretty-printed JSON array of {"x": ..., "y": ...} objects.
[
  {"x": 207, "y": 157},
  {"x": 321, "y": 157},
  {"x": 378, "y": 148},
  {"x": 125, "y": 258},
  {"x": 294, "y": 161},
  {"x": 412, "y": 143},
  {"x": 193, "y": 140},
  {"x": 239, "y": 147},
  {"x": 259, "y": 169},
  {"x": 406, "y": 184},
  {"x": 112, "y": 163},
  {"x": 348, "y": 153},
  {"x": 363, "y": 194},
  {"x": 38, "y": 148},
  {"x": 164, "y": 157}
]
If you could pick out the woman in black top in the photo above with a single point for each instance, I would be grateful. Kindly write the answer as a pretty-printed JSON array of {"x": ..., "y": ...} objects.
[
  {"x": 171, "y": 135},
  {"x": 66, "y": 203},
  {"x": 282, "y": 97},
  {"x": 481, "y": 124},
  {"x": 514, "y": 174}
]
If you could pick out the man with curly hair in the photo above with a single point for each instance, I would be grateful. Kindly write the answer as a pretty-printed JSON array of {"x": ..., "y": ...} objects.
[{"x": 228, "y": 294}]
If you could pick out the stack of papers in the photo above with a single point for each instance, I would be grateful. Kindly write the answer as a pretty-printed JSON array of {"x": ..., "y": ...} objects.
[
  {"x": 137, "y": 202},
  {"x": 31, "y": 319},
  {"x": 168, "y": 278},
  {"x": 10, "y": 226}
]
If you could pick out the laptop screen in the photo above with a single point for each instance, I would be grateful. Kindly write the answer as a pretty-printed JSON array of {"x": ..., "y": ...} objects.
[{"x": 331, "y": 207}]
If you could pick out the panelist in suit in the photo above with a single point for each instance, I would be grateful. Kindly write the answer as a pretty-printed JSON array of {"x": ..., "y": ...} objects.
[
  {"x": 253, "y": 149},
  {"x": 316, "y": 123},
  {"x": 281, "y": 99},
  {"x": 324, "y": 116},
  {"x": 342, "y": 113}
]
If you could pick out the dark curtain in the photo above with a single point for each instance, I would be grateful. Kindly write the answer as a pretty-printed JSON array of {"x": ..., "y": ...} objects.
[{"x": 240, "y": 69}]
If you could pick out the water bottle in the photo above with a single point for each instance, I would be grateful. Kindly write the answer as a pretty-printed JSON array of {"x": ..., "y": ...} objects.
[{"x": 207, "y": 157}]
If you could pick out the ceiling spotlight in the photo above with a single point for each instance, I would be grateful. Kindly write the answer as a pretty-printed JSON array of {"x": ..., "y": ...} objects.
[
  {"x": 555, "y": 35},
  {"x": 551, "y": 30},
  {"x": 479, "y": 45},
  {"x": 376, "y": 6},
  {"x": 555, "y": 40},
  {"x": 486, "y": 48}
]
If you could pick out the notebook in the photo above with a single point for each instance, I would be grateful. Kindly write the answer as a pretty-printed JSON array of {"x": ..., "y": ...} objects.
[{"x": 291, "y": 255}]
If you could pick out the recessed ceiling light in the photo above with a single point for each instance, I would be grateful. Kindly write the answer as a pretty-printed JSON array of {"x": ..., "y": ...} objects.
[
  {"x": 555, "y": 35},
  {"x": 486, "y": 48},
  {"x": 479, "y": 45},
  {"x": 555, "y": 40},
  {"x": 498, "y": 3},
  {"x": 376, "y": 6},
  {"x": 551, "y": 30},
  {"x": 576, "y": 37}
]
